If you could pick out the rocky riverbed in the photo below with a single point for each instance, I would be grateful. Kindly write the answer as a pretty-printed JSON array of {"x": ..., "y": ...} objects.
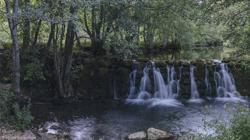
[
  {"x": 54, "y": 132},
  {"x": 33, "y": 134}
]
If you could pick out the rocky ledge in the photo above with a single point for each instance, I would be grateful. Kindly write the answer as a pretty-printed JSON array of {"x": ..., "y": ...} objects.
[
  {"x": 34, "y": 134},
  {"x": 151, "y": 134}
]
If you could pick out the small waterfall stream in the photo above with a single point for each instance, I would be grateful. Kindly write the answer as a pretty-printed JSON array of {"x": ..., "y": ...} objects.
[
  {"x": 170, "y": 87},
  {"x": 224, "y": 81},
  {"x": 132, "y": 83},
  {"x": 207, "y": 82},
  {"x": 179, "y": 81},
  {"x": 194, "y": 90},
  {"x": 145, "y": 84},
  {"x": 173, "y": 84},
  {"x": 161, "y": 89}
]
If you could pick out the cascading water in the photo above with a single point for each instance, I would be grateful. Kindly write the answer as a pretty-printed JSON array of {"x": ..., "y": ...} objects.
[
  {"x": 194, "y": 90},
  {"x": 132, "y": 83},
  {"x": 161, "y": 90},
  {"x": 225, "y": 84},
  {"x": 113, "y": 80},
  {"x": 161, "y": 96},
  {"x": 207, "y": 83},
  {"x": 145, "y": 85},
  {"x": 179, "y": 81},
  {"x": 172, "y": 84},
  {"x": 115, "y": 90}
]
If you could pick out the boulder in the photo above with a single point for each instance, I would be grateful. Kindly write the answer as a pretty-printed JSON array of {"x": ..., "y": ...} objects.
[
  {"x": 28, "y": 135},
  {"x": 5, "y": 86},
  {"x": 16, "y": 135},
  {"x": 156, "y": 134},
  {"x": 53, "y": 131},
  {"x": 46, "y": 136},
  {"x": 141, "y": 135}
]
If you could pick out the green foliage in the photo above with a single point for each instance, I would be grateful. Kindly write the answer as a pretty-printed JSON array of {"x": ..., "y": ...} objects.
[
  {"x": 234, "y": 16},
  {"x": 12, "y": 114},
  {"x": 189, "y": 22},
  {"x": 6, "y": 100},
  {"x": 241, "y": 124},
  {"x": 32, "y": 70},
  {"x": 22, "y": 116},
  {"x": 237, "y": 129},
  {"x": 122, "y": 48}
]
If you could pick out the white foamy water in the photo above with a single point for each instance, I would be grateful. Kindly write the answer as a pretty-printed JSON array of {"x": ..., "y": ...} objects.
[{"x": 82, "y": 129}]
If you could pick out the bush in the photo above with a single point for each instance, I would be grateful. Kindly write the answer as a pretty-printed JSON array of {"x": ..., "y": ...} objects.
[
  {"x": 12, "y": 114},
  {"x": 32, "y": 67},
  {"x": 122, "y": 48},
  {"x": 22, "y": 116},
  {"x": 239, "y": 128},
  {"x": 6, "y": 100}
]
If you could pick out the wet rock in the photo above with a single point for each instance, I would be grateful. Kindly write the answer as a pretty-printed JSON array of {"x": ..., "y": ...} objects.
[
  {"x": 141, "y": 135},
  {"x": 53, "y": 131},
  {"x": 16, "y": 135},
  {"x": 156, "y": 134},
  {"x": 5, "y": 86},
  {"x": 46, "y": 136},
  {"x": 185, "y": 62},
  {"x": 51, "y": 128}
]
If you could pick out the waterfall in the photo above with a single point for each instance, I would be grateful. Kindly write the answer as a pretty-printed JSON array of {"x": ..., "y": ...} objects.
[
  {"x": 179, "y": 81},
  {"x": 145, "y": 85},
  {"x": 115, "y": 96},
  {"x": 207, "y": 83},
  {"x": 172, "y": 83},
  {"x": 161, "y": 90},
  {"x": 194, "y": 91},
  {"x": 132, "y": 85},
  {"x": 165, "y": 91},
  {"x": 225, "y": 84}
]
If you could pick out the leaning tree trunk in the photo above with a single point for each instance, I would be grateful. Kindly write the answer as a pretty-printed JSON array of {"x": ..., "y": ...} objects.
[
  {"x": 51, "y": 34},
  {"x": 13, "y": 22},
  {"x": 37, "y": 30},
  {"x": 68, "y": 50},
  {"x": 57, "y": 64}
]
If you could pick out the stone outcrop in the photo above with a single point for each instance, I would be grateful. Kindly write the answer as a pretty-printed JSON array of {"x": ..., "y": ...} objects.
[
  {"x": 151, "y": 134},
  {"x": 141, "y": 135},
  {"x": 16, "y": 135},
  {"x": 156, "y": 134},
  {"x": 53, "y": 131},
  {"x": 5, "y": 86},
  {"x": 112, "y": 75}
]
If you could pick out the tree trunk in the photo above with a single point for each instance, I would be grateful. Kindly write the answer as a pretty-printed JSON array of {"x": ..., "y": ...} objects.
[
  {"x": 78, "y": 41},
  {"x": 13, "y": 22},
  {"x": 26, "y": 25},
  {"x": 51, "y": 34},
  {"x": 57, "y": 65},
  {"x": 68, "y": 50},
  {"x": 37, "y": 32}
]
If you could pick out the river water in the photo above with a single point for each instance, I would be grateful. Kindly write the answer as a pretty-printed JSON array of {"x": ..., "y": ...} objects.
[{"x": 115, "y": 120}]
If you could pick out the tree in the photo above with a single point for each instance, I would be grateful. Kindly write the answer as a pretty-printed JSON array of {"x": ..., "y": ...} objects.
[
  {"x": 12, "y": 16},
  {"x": 26, "y": 24}
]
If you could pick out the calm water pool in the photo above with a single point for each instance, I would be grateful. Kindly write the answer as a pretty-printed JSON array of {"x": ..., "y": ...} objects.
[{"x": 115, "y": 120}]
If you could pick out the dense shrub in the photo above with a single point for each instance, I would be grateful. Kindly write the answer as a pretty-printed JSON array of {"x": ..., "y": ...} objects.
[
  {"x": 32, "y": 67},
  {"x": 13, "y": 114},
  {"x": 237, "y": 129}
]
